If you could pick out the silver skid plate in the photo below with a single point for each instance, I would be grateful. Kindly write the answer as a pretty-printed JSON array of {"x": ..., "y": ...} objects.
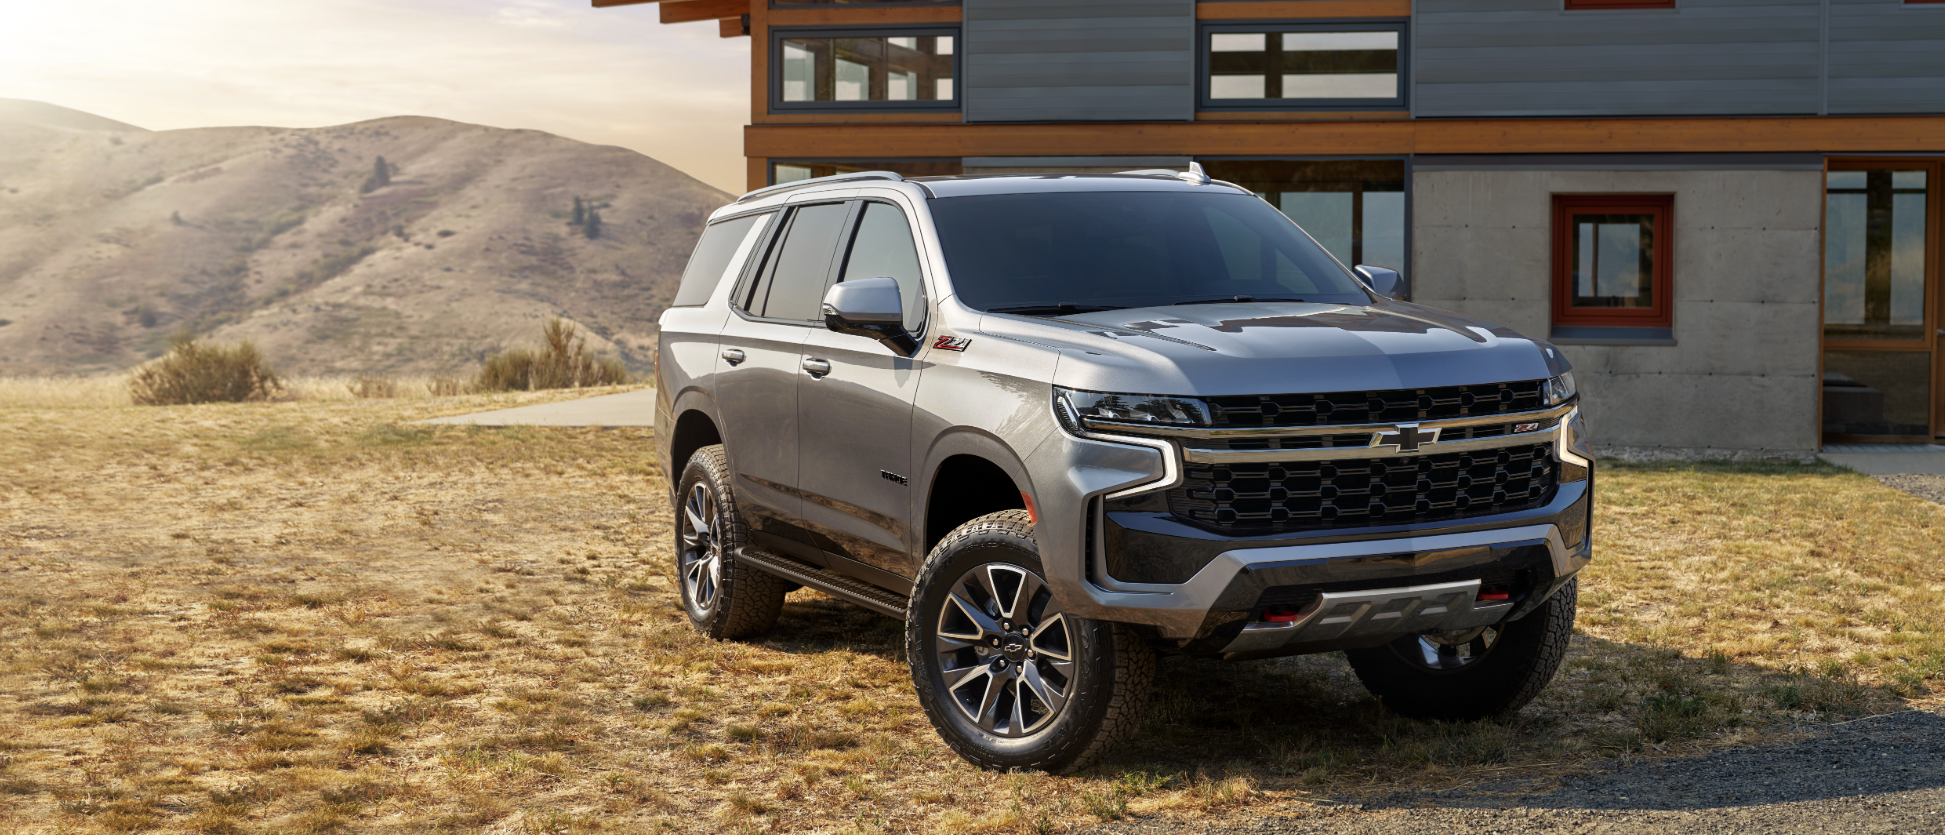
[{"x": 1348, "y": 614}]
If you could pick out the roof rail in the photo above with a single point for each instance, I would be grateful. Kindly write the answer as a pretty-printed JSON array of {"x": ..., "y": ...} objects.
[
  {"x": 1195, "y": 174},
  {"x": 815, "y": 181}
]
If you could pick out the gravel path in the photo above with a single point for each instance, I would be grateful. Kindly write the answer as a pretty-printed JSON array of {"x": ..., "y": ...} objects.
[
  {"x": 1927, "y": 487},
  {"x": 1877, "y": 775}
]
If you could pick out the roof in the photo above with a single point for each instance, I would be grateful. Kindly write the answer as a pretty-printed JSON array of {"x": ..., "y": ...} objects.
[{"x": 985, "y": 184}]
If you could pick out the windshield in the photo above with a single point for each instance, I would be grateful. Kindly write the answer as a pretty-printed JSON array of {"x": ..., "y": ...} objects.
[{"x": 1080, "y": 251}]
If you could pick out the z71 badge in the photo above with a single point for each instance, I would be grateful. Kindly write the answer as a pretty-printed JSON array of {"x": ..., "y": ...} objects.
[{"x": 952, "y": 343}]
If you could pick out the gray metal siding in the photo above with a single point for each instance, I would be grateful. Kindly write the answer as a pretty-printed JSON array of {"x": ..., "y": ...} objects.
[
  {"x": 1079, "y": 60},
  {"x": 1886, "y": 57},
  {"x": 1532, "y": 58}
]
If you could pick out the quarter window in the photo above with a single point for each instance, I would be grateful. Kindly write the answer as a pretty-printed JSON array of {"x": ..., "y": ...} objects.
[
  {"x": 1344, "y": 66},
  {"x": 724, "y": 248},
  {"x": 1612, "y": 259},
  {"x": 898, "y": 69}
]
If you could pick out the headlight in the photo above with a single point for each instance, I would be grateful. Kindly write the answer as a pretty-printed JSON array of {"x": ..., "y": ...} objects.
[
  {"x": 1559, "y": 389},
  {"x": 1161, "y": 409}
]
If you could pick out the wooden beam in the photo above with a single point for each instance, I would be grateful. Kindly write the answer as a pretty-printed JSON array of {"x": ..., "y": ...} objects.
[
  {"x": 1828, "y": 134},
  {"x": 733, "y": 27},
  {"x": 687, "y": 11},
  {"x": 866, "y": 16},
  {"x": 605, "y": 4},
  {"x": 1302, "y": 9}
]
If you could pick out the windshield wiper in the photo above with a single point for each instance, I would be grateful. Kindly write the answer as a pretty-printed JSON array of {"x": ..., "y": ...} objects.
[
  {"x": 1242, "y": 300},
  {"x": 1052, "y": 309}
]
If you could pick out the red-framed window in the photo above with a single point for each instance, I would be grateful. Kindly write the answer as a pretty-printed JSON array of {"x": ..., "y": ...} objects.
[
  {"x": 1613, "y": 260},
  {"x": 1574, "y": 5}
]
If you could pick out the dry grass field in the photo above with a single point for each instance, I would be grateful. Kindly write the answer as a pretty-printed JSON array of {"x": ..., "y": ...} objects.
[{"x": 306, "y": 616}]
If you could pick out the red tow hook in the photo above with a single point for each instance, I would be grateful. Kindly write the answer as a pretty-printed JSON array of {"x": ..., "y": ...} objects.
[
  {"x": 1284, "y": 616},
  {"x": 1495, "y": 595}
]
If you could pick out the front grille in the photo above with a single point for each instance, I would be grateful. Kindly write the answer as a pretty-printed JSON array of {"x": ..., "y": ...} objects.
[
  {"x": 1345, "y": 440},
  {"x": 1349, "y": 407},
  {"x": 1245, "y": 499}
]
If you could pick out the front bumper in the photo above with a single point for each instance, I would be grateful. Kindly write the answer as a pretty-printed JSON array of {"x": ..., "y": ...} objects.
[{"x": 1373, "y": 575}]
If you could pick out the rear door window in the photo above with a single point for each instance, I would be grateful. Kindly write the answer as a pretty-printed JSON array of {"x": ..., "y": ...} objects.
[
  {"x": 800, "y": 268},
  {"x": 724, "y": 248}
]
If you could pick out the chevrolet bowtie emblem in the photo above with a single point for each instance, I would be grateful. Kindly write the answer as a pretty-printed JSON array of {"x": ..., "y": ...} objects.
[{"x": 1406, "y": 438}]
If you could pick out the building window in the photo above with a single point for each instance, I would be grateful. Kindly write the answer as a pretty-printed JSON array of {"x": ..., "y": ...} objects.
[
  {"x": 875, "y": 70},
  {"x": 1303, "y": 66},
  {"x": 1578, "y": 5},
  {"x": 1354, "y": 208},
  {"x": 790, "y": 171},
  {"x": 1613, "y": 261}
]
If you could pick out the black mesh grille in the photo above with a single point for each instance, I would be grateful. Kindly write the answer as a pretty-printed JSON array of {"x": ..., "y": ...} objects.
[
  {"x": 1358, "y": 492},
  {"x": 1348, "y": 407}
]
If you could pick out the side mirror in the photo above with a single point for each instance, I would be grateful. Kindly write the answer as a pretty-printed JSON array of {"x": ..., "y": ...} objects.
[
  {"x": 871, "y": 308},
  {"x": 1386, "y": 283}
]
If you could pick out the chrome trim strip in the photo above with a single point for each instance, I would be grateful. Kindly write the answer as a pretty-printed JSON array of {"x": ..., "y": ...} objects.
[
  {"x": 1305, "y": 431},
  {"x": 1266, "y": 456}
]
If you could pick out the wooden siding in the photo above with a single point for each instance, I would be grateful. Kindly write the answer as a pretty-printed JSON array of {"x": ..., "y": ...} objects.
[
  {"x": 1485, "y": 58},
  {"x": 1825, "y": 134},
  {"x": 1886, "y": 56},
  {"x": 1079, "y": 60}
]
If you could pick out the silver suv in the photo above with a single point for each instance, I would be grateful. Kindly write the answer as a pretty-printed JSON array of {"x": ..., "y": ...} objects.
[{"x": 1058, "y": 424}]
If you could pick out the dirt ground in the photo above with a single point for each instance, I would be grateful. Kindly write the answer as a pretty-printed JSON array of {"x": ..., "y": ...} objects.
[{"x": 311, "y": 617}]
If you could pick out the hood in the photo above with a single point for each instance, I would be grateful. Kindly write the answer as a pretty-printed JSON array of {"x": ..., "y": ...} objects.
[{"x": 1279, "y": 347}]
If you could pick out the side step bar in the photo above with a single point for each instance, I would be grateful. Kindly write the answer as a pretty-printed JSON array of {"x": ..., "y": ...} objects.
[{"x": 864, "y": 594}]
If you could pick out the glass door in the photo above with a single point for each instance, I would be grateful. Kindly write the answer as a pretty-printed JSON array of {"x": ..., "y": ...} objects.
[{"x": 1881, "y": 325}]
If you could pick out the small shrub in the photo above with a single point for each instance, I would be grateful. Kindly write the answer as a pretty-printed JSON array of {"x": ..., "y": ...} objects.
[
  {"x": 445, "y": 386},
  {"x": 562, "y": 363},
  {"x": 198, "y": 372},
  {"x": 368, "y": 388}
]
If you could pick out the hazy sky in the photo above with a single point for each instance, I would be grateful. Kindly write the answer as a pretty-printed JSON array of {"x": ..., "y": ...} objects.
[{"x": 678, "y": 93}]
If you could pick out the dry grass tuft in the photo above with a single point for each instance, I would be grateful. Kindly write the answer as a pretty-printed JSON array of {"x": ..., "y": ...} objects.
[
  {"x": 306, "y": 616},
  {"x": 562, "y": 362}
]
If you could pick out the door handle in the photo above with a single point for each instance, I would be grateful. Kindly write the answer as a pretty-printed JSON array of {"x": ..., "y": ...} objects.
[
  {"x": 817, "y": 368},
  {"x": 733, "y": 355}
]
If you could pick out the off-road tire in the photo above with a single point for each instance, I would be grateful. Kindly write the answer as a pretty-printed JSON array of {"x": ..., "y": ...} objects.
[
  {"x": 1114, "y": 667},
  {"x": 1519, "y": 666},
  {"x": 747, "y": 600}
]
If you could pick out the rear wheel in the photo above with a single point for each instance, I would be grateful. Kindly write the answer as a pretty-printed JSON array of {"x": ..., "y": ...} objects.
[
  {"x": 724, "y": 597},
  {"x": 1008, "y": 678},
  {"x": 1473, "y": 674}
]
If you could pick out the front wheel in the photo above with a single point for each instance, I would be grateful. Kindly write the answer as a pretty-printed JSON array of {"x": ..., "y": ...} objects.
[
  {"x": 1474, "y": 674},
  {"x": 1008, "y": 678}
]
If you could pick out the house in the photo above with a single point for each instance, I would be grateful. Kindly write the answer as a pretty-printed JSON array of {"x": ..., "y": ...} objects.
[{"x": 1725, "y": 212}]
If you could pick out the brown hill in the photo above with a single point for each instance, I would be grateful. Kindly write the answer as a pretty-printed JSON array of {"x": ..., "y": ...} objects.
[{"x": 113, "y": 237}]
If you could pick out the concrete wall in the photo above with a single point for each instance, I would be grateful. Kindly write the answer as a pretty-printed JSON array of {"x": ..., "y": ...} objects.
[{"x": 1742, "y": 376}]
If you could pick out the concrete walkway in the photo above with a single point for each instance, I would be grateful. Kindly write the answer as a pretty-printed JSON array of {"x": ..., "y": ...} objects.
[
  {"x": 634, "y": 408},
  {"x": 1887, "y": 459}
]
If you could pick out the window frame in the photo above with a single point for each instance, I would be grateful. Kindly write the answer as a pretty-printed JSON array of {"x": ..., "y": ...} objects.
[
  {"x": 1611, "y": 5},
  {"x": 1204, "y": 103},
  {"x": 1662, "y": 314},
  {"x": 779, "y": 33}
]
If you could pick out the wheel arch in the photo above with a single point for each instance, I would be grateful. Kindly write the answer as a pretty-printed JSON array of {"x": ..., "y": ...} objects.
[
  {"x": 693, "y": 429},
  {"x": 968, "y": 475}
]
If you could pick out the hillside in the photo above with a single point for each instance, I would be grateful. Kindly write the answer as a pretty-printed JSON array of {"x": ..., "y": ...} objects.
[{"x": 113, "y": 237}]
